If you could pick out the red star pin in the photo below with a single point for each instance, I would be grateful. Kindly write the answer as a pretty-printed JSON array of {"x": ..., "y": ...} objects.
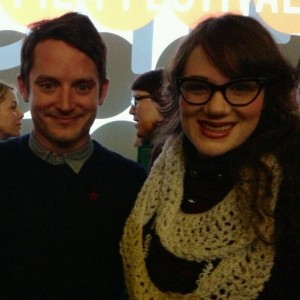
[{"x": 93, "y": 196}]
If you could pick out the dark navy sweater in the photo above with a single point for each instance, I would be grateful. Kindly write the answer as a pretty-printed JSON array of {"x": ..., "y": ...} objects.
[{"x": 60, "y": 231}]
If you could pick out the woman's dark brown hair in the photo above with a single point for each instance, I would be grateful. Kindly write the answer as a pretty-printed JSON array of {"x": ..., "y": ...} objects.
[{"x": 240, "y": 46}]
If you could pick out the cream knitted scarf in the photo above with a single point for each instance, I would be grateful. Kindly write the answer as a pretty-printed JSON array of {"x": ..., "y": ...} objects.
[{"x": 224, "y": 232}]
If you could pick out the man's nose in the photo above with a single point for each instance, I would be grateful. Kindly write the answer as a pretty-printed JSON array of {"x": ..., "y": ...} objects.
[{"x": 66, "y": 100}]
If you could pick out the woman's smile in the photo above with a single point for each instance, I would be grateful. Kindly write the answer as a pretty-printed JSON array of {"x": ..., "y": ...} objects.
[{"x": 215, "y": 130}]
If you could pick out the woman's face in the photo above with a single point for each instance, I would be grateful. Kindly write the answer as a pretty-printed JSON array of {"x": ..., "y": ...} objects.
[
  {"x": 10, "y": 116},
  {"x": 145, "y": 114},
  {"x": 216, "y": 127}
]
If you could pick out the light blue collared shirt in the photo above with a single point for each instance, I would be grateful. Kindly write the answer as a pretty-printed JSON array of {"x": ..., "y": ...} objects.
[{"x": 75, "y": 160}]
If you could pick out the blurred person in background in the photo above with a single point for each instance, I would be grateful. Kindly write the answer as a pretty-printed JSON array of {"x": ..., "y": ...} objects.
[
  {"x": 11, "y": 114},
  {"x": 146, "y": 101}
]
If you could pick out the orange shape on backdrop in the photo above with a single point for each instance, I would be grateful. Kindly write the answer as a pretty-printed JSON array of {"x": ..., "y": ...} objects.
[
  {"x": 124, "y": 14},
  {"x": 25, "y": 12},
  {"x": 191, "y": 12},
  {"x": 283, "y": 16}
]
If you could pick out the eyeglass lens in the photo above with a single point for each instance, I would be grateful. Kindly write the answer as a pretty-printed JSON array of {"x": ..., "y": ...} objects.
[{"x": 135, "y": 99}]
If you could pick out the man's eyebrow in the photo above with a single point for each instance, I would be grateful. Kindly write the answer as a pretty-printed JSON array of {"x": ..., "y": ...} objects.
[
  {"x": 41, "y": 78},
  {"x": 88, "y": 80}
]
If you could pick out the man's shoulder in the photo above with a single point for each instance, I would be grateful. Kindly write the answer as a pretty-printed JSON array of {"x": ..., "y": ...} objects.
[
  {"x": 111, "y": 158},
  {"x": 13, "y": 146},
  {"x": 14, "y": 158},
  {"x": 114, "y": 168}
]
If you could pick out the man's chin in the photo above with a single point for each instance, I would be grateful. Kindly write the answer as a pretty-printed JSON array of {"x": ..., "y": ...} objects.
[{"x": 67, "y": 142}]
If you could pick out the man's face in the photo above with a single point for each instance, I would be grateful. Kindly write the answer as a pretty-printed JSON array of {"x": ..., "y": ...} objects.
[{"x": 63, "y": 95}]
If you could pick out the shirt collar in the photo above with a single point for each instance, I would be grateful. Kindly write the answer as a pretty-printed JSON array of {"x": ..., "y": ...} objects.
[{"x": 75, "y": 160}]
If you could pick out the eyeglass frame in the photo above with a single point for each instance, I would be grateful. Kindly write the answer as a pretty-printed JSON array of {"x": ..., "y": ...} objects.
[
  {"x": 261, "y": 81},
  {"x": 135, "y": 99}
]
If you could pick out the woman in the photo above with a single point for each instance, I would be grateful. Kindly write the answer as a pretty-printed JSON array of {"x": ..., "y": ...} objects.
[
  {"x": 145, "y": 107},
  {"x": 10, "y": 113},
  {"x": 218, "y": 217}
]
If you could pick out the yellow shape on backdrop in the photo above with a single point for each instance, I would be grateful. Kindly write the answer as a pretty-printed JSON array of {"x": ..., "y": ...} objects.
[
  {"x": 280, "y": 15},
  {"x": 25, "y": 12}
]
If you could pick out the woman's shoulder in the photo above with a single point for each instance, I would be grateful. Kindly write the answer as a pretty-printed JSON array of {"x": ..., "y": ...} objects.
[{"x": 287, "y": 146}]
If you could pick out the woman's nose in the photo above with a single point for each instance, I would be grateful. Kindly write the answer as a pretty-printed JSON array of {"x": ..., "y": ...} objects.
[
  {"x": 20, "y": 114},
  {"x": 217, "y": 105},
  {"x": 132, "y": 110}
]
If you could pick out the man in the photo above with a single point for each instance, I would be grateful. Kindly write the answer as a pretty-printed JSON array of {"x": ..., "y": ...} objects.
[{"x": 64, "y": 197}]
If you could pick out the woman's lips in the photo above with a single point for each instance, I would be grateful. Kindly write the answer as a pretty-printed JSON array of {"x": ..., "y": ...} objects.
[{"x": 216, "y": 130}]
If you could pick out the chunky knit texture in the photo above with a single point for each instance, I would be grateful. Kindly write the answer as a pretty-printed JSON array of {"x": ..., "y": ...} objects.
[{"x": 224, "y": 233}]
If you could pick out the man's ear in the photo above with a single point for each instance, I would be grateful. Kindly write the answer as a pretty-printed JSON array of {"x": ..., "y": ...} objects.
[
  {"x": 22, "y": 88},
  {"x": 103, "y": 91}
]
